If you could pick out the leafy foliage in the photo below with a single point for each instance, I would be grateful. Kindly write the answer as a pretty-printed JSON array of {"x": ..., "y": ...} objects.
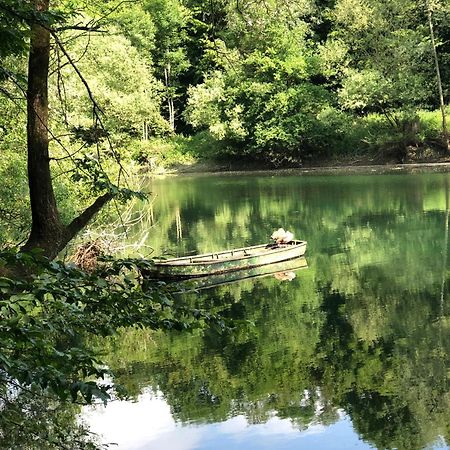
[
  {"x": 46, "y": 316},
  {"x": 281, "y": 67}
]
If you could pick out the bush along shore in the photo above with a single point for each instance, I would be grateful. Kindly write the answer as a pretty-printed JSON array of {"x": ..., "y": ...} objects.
[{"x": 367, "y": 141}]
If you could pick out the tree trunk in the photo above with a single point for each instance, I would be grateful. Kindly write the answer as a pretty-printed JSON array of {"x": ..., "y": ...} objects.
[
  {"x": 46, "y": 229},
  {"x": 170, "y": 105},
  {"x": 48, "y": 233},
  {"x": 171, "y": 114},
  {"x": 438, "y": 77}
]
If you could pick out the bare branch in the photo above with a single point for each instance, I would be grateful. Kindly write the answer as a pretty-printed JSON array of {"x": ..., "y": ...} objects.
[
  {"x": 96, "y": 106},
  {"x": 95, "y": 29},
  {"x": 69, "y": 156}
]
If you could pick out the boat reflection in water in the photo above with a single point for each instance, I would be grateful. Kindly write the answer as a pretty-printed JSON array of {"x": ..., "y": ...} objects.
[
  {"x": 224, "y": 261},
  {"x": 282, "y": 271}
]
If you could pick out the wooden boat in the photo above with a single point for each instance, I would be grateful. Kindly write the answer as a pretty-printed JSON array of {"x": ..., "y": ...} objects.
[
  {"x": 222, "y": 279},
  {"x": 225, "y": 261}
]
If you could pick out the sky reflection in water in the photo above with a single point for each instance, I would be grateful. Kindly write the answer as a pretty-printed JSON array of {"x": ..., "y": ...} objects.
[{"x": 148, "y": 424}]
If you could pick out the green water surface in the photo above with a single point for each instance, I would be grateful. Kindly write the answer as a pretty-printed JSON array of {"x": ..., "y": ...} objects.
[{"x": 351, "y": 353}]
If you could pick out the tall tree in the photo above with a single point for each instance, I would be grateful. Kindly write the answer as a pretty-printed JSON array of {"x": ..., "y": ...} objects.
[
  {"x": 171, "y": 19},
  {"x": 48, "y": 232},
  {"x": 438, "y": 74}
]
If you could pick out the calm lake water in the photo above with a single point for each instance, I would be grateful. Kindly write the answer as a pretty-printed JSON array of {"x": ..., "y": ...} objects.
[{"x": 351, "y": 353}]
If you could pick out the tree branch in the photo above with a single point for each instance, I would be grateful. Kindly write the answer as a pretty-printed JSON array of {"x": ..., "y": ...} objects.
[
  {"x": 94, "y": 29},
  {"x": 96, "y": 106},
  {"x": 86, "y": 216},
  {"x": 97, "y": 111}
]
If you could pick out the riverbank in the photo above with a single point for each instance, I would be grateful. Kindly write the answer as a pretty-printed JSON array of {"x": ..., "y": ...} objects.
[
  {"x": 185, "y": 160},
  {"x": 211, "y": 168}
]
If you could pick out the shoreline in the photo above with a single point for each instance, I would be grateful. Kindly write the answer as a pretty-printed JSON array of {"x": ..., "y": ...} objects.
[{"x": 376, "y": 169}]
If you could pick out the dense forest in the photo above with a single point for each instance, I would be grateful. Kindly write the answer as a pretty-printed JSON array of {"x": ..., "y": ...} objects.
[
  {"x": 278, "y": 81},
  {"x": 168, "y": 82}
]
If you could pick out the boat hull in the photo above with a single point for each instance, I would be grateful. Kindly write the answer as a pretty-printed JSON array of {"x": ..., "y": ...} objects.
[{"x": 228, "y": 261}]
